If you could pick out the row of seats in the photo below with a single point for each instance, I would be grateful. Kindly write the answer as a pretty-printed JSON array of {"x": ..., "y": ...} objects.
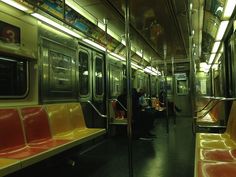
[
  {"x": 215, "y": 153},
  {"x": 34, "y": 133},
  {"x": 210, "y": 115}
]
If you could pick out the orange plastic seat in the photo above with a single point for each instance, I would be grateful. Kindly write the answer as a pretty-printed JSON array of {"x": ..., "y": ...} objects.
[
  {"x": 231, "y": 123},
  {"x": 218, "y": 155},
  {"x": 12, "y": 138},
  {"x": 35, "y": 121},
  {"x": 119, "y": 114},
  {"x": 225, "y": 140},
  {"x": 217, "y": 169}
]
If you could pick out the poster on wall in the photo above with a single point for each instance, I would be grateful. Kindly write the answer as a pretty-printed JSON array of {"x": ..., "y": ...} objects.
[{"x": 9, "y": 34}]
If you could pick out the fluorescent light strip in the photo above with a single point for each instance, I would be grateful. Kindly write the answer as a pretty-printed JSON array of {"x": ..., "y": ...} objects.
[
  {"x": 81, "y": 11},
  {"x": 94, "y": 44},
  {"x": 215, "y": 47},
  {"x": 135, "y": 65},
  {"x": 218, "y": 57},
  {"x": 16, "y": 5},
  {"x": 139, "y": 53},
  {"x": 117, "y": 56},
  {"x": 229, "y": 8},
  {"x": 152, "y": 71},
  {"x": 221, "y": 30},
  {"x": 211, "y": 58},
  {"x": 101, "y": 25},
  {"x": 54, "y": 24}
]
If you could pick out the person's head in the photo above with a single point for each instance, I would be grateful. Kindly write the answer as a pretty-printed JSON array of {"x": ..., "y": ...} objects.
[{"x": 141, "y": 91}]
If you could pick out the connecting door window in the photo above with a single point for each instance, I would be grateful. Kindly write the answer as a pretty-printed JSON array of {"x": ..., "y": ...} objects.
[
  {"x": 99, "y": 78},
  {"x": 84, "y": 73}
]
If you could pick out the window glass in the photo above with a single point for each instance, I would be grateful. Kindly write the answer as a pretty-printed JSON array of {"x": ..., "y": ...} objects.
[
  {"x": 60, "y": 72},
  {"x": 83, "y": 73},
  {"x": 13, "y": 77},
  {"x": 99, "y": 76}
]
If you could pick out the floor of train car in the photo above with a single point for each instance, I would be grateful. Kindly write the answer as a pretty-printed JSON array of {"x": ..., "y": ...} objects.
[{"x": 168, "y": 155}]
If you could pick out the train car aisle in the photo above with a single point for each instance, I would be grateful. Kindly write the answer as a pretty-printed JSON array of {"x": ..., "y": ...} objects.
[{"x": 166, "y": 156}]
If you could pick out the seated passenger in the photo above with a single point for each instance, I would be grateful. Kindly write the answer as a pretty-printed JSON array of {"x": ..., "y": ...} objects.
[{"x": 142, "y": 101}]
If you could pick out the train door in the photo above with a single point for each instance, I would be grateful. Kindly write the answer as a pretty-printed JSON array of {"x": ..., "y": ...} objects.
[
  {"x": 91, "y": 85},
  {"x": 182, "y": 97}
]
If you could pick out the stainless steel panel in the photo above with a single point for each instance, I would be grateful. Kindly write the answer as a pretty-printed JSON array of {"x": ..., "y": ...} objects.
[{"x": 57, "y": 71}]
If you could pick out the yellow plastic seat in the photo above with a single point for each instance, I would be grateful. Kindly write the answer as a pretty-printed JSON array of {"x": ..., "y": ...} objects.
[
  {"x": 59, "y": 120},
  {"x": 9, "y": 166},
  {"x": 78, "y": 121},
  {"x": 67, "y": 122}
]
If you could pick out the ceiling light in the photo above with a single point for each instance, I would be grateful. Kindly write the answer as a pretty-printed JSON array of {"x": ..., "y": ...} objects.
[
  {"x": 102, "y": 26},
  {"x": 117, "y": 56},
  {"x": 221, "y": 30},
  {"x": 211, "y": 58},
  {"x": 139, "y": 53},
  {"x": 94, "y": 44},
  {"x": 136, "y": 66},
  {"x": 215, "y": 47},
  {"x": 16, "y": 5},
  {"x": 229, "y": 8},
  {"x": 58, "y": 26},
  {"x": 218, "y": 57}
]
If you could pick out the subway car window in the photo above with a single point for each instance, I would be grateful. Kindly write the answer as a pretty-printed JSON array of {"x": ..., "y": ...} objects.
[
  {"x": 13, "y": 78},
  {"x": 99, "y": 76},
  {"x": 83, "y": 73}
]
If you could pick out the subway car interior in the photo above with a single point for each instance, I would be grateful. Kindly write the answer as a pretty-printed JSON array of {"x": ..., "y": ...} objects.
[{"x": 118, "y": 88}]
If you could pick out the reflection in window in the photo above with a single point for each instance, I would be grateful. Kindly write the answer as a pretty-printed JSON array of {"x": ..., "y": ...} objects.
[
  {"x": 83, "y": 73},
  {"x": 13, "y": 77},
  {"x": 182, "y": 87},
  {"x": 99, "y": 76},
  {"x": 60, "y": 72}
]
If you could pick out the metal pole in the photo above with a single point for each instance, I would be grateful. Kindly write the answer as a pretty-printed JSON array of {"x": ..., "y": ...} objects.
[
  {"x": 173, "y": 80},
  {"x": 105, "y": 21},
  {"x": 129, "y": 91},
  {"x": 191, "y": 74},
  {"x": 165, "y": 88}
]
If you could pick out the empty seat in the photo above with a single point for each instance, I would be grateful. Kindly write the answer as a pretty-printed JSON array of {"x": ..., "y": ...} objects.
[
  {"x": 12, "y": 140},
  {"x": 35, "y": 121},
  {"x": 217, "y": 169},
  {"x": 60, "y": 122},
  {"x": 67, "y": 122},
  {"x": 226, "y": 140},
  {"x": 77, "y": 119}
]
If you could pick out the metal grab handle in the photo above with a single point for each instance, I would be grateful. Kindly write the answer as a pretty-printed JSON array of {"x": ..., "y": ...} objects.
[
  {"x": 218, "y": 101},
  {"x": 119, "y": 104},
  {"x": 100, "y": 114}
]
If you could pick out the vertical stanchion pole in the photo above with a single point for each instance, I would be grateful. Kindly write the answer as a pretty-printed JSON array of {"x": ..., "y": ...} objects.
[
  {"x": 129, "y": 88},
  {"x": 165, "y": 88},
  {"x": 192, "y": 86},
  {"x": 192, "y": 65},
  {"x": 173, "y": 79},
  {"x": 105, "y": 22}
]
